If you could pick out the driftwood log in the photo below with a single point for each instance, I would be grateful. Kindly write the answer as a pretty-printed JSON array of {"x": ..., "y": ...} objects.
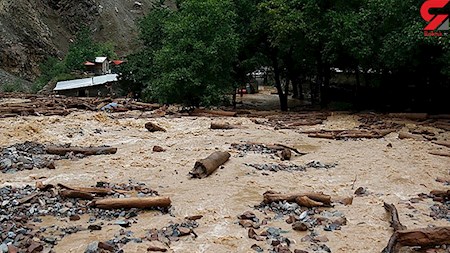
[
  {"x": 76, "y": 194},
  {"x": 91, "y": 190},
  {"x": 440, "y": 153},
  {"x": 212, "y": 113},
  {"x": 80, "y": 150},
  {"x": 207, "y": 166},
  {"x": 127, "y": 203},
  {"x": 422, "y": 237},
  {"x": 442, "y": 143},
  {"x": 298, "y": 198},
  {"x": 223, "y": 126},
  {"x": 152, "y": 127},
  {"x": 411, "y": 116},
  {"x": 349, "y": 134},
  {"x": 404, "y": 135}
]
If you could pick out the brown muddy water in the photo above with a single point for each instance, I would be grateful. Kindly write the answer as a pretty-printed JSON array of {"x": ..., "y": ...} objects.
[{"x": 390, "y": 174}]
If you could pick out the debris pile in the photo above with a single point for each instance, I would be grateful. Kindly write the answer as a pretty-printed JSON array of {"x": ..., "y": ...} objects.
[
  {"x": 294, "y": 120},
  {"x": 21, "y": 206},
  {"x": 298, "y": 210},
  {"x": 25, "y": 156},
  {"x": 31, "y": 155},
  {"x": 291, "y": 167}
]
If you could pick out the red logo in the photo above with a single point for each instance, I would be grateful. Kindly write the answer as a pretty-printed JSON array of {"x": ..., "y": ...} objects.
[{"x": 436, "y": 22}]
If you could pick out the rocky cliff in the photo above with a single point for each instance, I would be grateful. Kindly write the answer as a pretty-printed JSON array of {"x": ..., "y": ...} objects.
[{"x": 31, "y": 30}]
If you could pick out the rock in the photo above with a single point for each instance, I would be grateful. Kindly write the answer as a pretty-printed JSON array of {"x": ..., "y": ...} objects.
[
  {"x": 246, "y": 223},
  {"x": 92, "y": 248},
  {"x": 94, "y": 227},
  {"x": 156, "y": 247},
  {"x": 360, "y": 191},
  {"x": 123, "y": 223},
  {"x": 3, "y": 248},
  {"x": 106, "y": 246},
  {"x": 35, "y": 247},
  {"x": 12, "y": 249},
  {"x": 194, "y": 217},
  {"x": 74, "y": 217},
  {"x": 291, "y": 219},
  {"x": 256, "y": 248},
  {"x": 300, "y": 251},
  {"x": 158, "y": 149},
  {"x": 299, "y": 226},
  {"x": 340, "y": 221},
  {"x": 50, "y": 240},
  {"x": 5, "y": 164},
  {"x": 184, "y": 231},
  {"x": 247, "y": 216},
  {"x": 321, "y": 239},
  {"x": 253, "y": 235}
]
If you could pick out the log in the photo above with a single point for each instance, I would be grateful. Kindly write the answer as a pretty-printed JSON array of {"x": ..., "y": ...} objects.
[
  {"x": 216, "y": 113},
  {"x": 411, "y": 116},
  {"x": 152, "y": 127},
  {"x": 442, "y": 143},
  {"x": 442, "y": 125},
  {"x": 404, "y": 135},
  {"x": 440, "y": 116},
  {"x": 424, "y": 237},
  {"x": 207, "y": 166},
  {"x": 55, "y": 150},
  {"x": 440, "y": 153},
  {"x": 307, "y": 202},
  {"x": 128, "y": 203},
  {"x": 225, "y": 126},
  {"x": 305, "y": 122},
  {"x": 76, "y": 194},
  {"x": 270, "y": 197},
  {"x": 394, "y": 220},
  {"x": 92, "y": 190}
]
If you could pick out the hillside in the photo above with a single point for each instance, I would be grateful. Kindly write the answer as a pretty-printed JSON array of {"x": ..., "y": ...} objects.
[{"x": 34, "y": 30}]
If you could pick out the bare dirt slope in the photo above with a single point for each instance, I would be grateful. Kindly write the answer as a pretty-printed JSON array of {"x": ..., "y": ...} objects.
[
  {"x": 392, "y": 174},
  {"x": 33, "y": 30}
]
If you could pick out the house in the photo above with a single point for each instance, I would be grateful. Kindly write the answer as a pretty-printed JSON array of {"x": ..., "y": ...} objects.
[
  {"x": 104, "y": 85},
  {"x": 99, "y": 67}
]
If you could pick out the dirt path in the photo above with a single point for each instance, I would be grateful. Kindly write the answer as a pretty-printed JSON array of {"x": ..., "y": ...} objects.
[{"x": 390, "y": 174}]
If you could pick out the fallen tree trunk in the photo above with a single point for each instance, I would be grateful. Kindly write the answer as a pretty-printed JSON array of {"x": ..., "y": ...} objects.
[
  {"x": 349, "y": 134},
  {"x": 79, "y": 150},
  {"x": 411, "y": 116},
  {"x": 207, "y": 166},
  {"x": 152, "y": 127},
  {"x": 223, "y": 126},
  {"x": 423, "y": 237},
  {"x": 404, "y": 135},
  {"x": 440, "y": 153},
  {"x": 76, "y": 194},
  {"x": 270, "y": 197},
  {"x": 92, "y": 190},
  {"x": 217, "y": 113},
  {"x": 127, "y": 203},
  {"x": 442, "y": 143}
]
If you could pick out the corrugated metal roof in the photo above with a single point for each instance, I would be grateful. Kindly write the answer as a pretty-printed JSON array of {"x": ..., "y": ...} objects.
[
  {"x": 85, "y": 82},
  {"x": 100, "y": 59}
]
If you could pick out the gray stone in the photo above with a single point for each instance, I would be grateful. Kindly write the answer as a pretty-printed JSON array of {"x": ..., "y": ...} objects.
[
  {"x": 3, "y": 248},
  {"x": 92, "y": 248}
]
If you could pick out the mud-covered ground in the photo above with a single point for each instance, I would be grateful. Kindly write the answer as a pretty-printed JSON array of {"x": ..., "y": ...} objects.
[{"x": 392, "y": 173}]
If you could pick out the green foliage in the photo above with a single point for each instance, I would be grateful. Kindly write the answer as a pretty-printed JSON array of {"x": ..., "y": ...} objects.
[
  {"x": 14, "y": 86},
  {"x": 83, "y": 49},
  {"x": 187, "y": 55}
]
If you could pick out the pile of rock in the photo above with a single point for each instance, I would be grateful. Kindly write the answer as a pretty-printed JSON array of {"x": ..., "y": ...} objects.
[{"x": 25, "y": 156}]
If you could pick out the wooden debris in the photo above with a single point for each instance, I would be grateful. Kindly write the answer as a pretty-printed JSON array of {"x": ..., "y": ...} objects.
[
  {"x": 55, "y": 150},
  {"x": 404, "y": 135},
  {"x": 158, "y": 149},
  {"x": 285, "y": 154},
  {"x": 410, "y": 116},
  {"x": 223, "y": 126},
  {"x": 207, "y": 166},
  {"x": 270, "y": 197},
  {"x": 76, "y": 194},
  {"x": 307, "y": 202},
  {"x": 422, "y": 237},
  {"x": 442, "y": 143},
  {"x": 152, "y": 127},
  {"x": 349, "y": 134},
  {"x": 440, "y": 153},
  {"x": 212, "y": 113},
  {"x": 92, "y": 190},
  {"x": 127, "y": 203}
]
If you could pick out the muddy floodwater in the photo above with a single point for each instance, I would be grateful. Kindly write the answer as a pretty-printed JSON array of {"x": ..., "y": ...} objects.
[{"x": 392, "y": 173}]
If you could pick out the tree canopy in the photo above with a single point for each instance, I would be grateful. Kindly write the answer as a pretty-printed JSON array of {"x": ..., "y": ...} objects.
[{"x": 200, "y": 51}]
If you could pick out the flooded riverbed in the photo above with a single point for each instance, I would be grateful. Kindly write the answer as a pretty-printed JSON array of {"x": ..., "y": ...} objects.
[{"x": 392, "y": 174}]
